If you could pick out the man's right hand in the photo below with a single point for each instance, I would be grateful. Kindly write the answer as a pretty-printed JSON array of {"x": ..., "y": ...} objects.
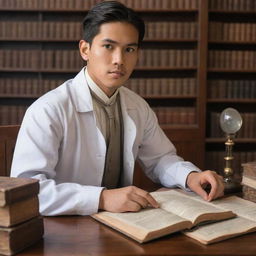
[{"x": 127, "y": 199}]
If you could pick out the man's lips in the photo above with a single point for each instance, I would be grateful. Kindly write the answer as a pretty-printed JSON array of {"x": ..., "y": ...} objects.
[{"x": 117, "y": 73}]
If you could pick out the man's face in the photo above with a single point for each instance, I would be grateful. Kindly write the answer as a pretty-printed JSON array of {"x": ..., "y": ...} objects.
[{"x": 112, "y": 55}]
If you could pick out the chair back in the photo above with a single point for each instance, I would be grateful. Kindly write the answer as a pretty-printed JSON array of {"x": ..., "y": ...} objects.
[{"x": 8, "y": 136}]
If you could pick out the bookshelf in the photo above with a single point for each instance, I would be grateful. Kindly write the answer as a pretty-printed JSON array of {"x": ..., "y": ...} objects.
[
  {"x": 198, "y": 57},
  {"x": 231, "y": 79}
]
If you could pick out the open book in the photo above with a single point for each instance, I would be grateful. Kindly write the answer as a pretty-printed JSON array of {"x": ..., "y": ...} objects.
[
  {"x": 245, "y": 222},
  {"x": 178, "y": 211}
]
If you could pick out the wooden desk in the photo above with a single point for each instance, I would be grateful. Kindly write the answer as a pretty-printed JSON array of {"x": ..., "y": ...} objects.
[{"x": 72, "y": 236}]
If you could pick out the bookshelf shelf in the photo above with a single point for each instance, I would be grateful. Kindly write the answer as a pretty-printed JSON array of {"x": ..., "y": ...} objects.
[
  {"x": 237, "y": 140},
  {"x": 39, "y": 40},
  {"x": 232, "y": 42},
  {"x": 31, "y": 70},
  {"x": 225, "y": 70},
  {"x": 234, "y": 100},
  {"x": 71, "y": 10},
  {"x": 232, "y": 12}
]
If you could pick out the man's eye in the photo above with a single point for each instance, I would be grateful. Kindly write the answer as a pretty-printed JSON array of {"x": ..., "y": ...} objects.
[
  {"x": 129, "y": 49},
  {"x": 107, "y": 46}
]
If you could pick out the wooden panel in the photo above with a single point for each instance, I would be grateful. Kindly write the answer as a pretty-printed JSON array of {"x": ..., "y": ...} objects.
[
  {"x": 8, "y": 135},
  {"x": 2, "y": 159},
  {"x": 9, "y": 147}
]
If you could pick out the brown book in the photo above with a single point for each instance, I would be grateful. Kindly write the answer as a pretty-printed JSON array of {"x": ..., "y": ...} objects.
[
  {"x": 19, "y": 212},
  {"x": 249, "y": 169},
  {"x": 16, "y": 189},
  {"x": 19, "y": 237},
  {"x": 177, "y": 211},
  {"x": 249, "y": 193}
]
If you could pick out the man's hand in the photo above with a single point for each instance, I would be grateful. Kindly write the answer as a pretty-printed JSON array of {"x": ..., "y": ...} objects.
[
  {"x": 196, "y": 181},
  {"x": 127, "y": 199}
]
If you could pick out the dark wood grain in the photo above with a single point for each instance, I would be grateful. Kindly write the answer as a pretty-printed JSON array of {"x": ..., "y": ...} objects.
[{"x": 73, "y": 236}]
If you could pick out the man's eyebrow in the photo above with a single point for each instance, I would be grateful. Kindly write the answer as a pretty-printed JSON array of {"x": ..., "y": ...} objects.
[{"x": 115, "y": 42}]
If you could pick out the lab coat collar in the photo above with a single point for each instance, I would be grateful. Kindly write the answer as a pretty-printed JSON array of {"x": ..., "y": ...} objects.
[
  {"x": 80, "y": 92},
  {"x": 82, "y": 98}
]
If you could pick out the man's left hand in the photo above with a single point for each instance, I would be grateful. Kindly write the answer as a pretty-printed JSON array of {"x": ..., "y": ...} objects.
[{"x": 197, "y": 181}]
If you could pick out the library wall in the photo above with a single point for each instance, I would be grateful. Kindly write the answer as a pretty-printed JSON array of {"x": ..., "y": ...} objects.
[
  {"x": 198, "y": 57},
  {"x": 231, "y": 79}
]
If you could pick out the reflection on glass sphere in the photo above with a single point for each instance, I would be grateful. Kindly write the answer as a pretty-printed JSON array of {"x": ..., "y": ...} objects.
[{"x": 230, "y": 121}]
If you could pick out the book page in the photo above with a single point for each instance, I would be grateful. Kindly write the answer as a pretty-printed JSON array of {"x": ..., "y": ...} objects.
[
  {"x": 241, "y": 207},
  {"x": 186, "y": 207},
  {"x": 244, "y": 223},
  {"x": 147, "y": 219},
  {"x": 222, "y": 230}
]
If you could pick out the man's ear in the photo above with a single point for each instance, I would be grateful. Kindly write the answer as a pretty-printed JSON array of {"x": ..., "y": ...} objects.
[{"x": 84, "y": 48}]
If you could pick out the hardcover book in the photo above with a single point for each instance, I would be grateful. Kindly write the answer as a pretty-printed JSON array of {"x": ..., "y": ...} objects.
[
  {"x": 19, "y": 237},
  {"x": 17, "y": 189}
]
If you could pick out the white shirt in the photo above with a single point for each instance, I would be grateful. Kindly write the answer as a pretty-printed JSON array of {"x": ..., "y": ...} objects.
[{"x": 60, "y": 144}]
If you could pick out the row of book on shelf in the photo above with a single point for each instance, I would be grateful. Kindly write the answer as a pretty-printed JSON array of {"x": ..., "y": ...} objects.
[
  {"x": 229, "y": 31},
  {"x": 84, "y": 5},
  {"x": 233, "y": 59},
  {"x": 70, "y": 59},
  {"x": 175, "y": 115},
  {"x": 249, "y": 180},
  {"x": 13, "y": 114},
  {"x": 27, "y": 87},
  {"x": 163, "y": 87},
  {"x": 248, "y": 129},
  {"x": 167, "y": 58},
  {"x": 20, "y": 222},
  {"x": 73, "y": 30},
  {"x": 228, "y": 89},
  {"x": 232, "y": 5}
]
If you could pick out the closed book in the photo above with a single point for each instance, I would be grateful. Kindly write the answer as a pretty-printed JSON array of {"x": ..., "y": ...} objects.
[
  {"x": 249, "y": 193},
  {"x": 19, "y": 212},
  {"x": 19, "y": 237},
  {"x": 249, "y": 169},
  {"x": 16, "y": 189}
]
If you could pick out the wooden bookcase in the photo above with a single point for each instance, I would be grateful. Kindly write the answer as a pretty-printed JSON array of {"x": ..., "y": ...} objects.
[
  {"x": 39, "y": 50},
  {"x": 231, "y": 79}
]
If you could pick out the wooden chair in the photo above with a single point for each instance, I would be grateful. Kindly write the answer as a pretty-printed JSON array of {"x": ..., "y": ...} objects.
[{"x": 8, "y": 136}]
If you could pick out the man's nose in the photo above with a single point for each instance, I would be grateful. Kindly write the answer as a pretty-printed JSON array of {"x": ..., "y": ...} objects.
[{"x": 118, "y": 57}]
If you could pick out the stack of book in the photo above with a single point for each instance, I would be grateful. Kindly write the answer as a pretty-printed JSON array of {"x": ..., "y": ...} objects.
[
  {"x": 249, "y": 181},
  {"x": 20, "y": 222}
]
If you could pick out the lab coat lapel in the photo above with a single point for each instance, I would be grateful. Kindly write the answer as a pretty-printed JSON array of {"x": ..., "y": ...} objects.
[
  {"x": 129, "y": 138},
  {"x": 83, "y": 103}
]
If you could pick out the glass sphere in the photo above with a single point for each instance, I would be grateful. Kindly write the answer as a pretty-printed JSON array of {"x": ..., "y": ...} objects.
[{"x": 230, "y": 121}]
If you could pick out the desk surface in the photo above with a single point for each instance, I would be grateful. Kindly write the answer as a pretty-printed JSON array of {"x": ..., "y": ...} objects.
[{"x": 72, "y": 236}]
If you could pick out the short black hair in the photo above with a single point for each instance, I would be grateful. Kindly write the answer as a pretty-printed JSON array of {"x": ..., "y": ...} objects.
[{"x": 110, "y": 11}]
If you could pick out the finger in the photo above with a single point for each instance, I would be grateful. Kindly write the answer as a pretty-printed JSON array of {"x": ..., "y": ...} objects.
[
  {"x": 151, "y": 201},
  {"x": 132, "y": 206},
  {"x": 201, "y": 192},
  {"x": 143, "y": 202},
  {"x": 216, "y": 187}
]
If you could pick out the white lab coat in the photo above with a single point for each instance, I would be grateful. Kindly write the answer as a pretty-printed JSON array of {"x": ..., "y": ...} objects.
[{"x": 60, "y": 144}]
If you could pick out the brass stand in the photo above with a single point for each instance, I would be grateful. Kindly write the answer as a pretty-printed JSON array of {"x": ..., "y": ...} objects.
[{"x": 231, "y": 185}]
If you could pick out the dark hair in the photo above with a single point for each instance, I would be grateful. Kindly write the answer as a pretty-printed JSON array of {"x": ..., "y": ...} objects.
[{"x": 110, "y": 11}]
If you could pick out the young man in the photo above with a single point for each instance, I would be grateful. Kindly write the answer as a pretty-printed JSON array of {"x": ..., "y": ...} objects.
[{"x": 81, "y": 140}]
